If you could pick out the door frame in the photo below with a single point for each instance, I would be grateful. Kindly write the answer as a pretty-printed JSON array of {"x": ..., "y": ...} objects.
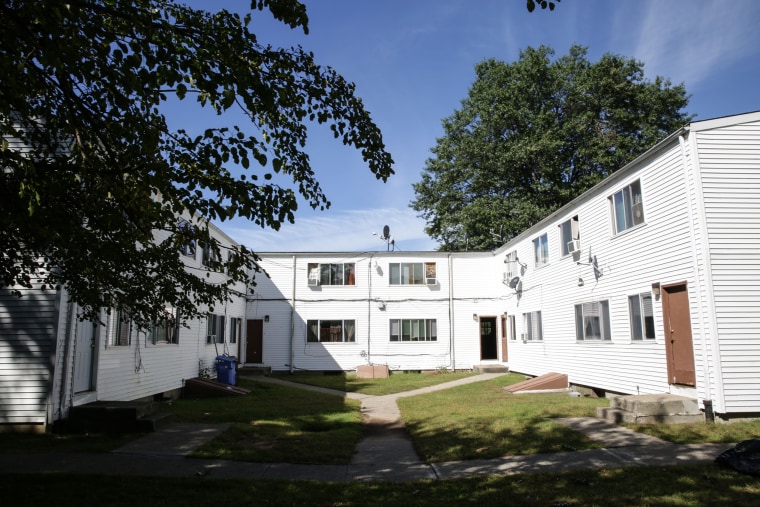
[
  {"x": 495, "y": 344},
  {"x": 250, "y": 334}
]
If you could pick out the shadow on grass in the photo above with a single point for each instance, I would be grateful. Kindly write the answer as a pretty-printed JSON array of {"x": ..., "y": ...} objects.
[
  {"x": 683, "y": 486},
  {"x": 482, "y": 421},
  {"x": 275, "y": 423}
]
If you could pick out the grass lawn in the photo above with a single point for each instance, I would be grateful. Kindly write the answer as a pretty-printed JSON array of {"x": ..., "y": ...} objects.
[
  {"x": 480, "y": 420},
  {"x": 685, "y": 486},
  {"x": 397, "y": 382},
  {"x": 277, "y": 424},
  {"x": 701, "y": 432}
]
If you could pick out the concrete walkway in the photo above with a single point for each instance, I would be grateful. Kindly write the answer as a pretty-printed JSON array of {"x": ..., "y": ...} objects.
[{"x": 386, "y": 454}]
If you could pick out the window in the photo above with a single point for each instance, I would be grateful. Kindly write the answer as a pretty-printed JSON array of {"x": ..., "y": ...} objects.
[
  {"x": 411, "y": 273},
  {"x": 214, "y": 328},
  {"x": 512, "y": 266},
  {"x": 642, "y": 316},
  {"x": 188, "y": 246},
  {"x": 592, "y": 321},
  {"x": 166, "y": 330},
  {"x": 532, "y": 329},
  {"x": 569, "y": 230},
  {"x": 541, "y": 249},
  {"x": 511, "y": 327},
  {"x": 123, "y": 334},
  {"x": 235, "y": 323},
  {"x": 430, "y": 277},
  {"x": 332, "y": 274},
  {"x": 414, "y": 330},
  {"x": 232, "y": 260},
  {"x": 330, "y": 331},
  {"x": 627, "y": 207},
  {"x": 210, "y": 257}
]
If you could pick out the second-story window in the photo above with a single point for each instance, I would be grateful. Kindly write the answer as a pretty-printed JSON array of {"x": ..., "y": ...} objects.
[
  {"x": 332, "y": 274},
  {"x": 412, "y": 273},
  {"x": 627, "y": 207},
  {"x": 541, "y": 249}
]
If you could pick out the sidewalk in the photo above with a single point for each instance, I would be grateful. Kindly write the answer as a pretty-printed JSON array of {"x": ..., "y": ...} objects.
[{"x": 386, "y": 454}]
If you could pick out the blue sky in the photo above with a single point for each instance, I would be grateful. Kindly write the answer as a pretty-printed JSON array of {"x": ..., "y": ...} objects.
[{"x": 413, "y": 62}]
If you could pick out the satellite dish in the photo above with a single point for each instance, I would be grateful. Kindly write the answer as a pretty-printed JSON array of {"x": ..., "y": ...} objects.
[
  {"x": 597, "y": 271},
  {"x": 386, "y": 232},
  {"x": 513, "y": 282}
]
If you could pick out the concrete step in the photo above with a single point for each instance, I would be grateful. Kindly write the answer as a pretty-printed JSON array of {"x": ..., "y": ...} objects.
[
  {"x": 490, "y": 368},
  {"x": 155, "y": 422},
  {"x": 652, "y": 409}
]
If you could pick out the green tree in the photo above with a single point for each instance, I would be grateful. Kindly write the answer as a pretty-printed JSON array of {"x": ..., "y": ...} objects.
[
  {"x": 534, "y": 134},
  {"x": 94, "y": 177}
]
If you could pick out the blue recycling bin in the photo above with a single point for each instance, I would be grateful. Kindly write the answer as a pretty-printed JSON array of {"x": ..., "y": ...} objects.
[{"x": 225, "y": 369}]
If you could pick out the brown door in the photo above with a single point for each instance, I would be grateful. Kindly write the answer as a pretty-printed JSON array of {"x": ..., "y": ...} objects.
[
  {"x": 504, "y": 355},
  {"x": 254, "y": 342},
  {"x": 488, "y": 346},
  {"x": 678, "y": 342}
]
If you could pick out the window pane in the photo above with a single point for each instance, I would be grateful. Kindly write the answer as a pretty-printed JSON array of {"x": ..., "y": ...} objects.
[
  {"x": 324, "y": 278},
  {"x": 604, "y": 306},
  {"x": 432, "y": 330},
  {"x": 349, "y": 329},
  {"x": 579, "y": 322},
  {"x": 634, "y": 307},
  {"x": 406, "y": 273},
  {"x": 566, "y": 235},
  {"x": 619, "y": 212},
  {"x": 591, "y": 324},
  {"x": 312, "y": 331},
  {"x": 539, "y": 330},
  {"x": 337, "y": 274},
  {"x": 395, "y": 273},
  {"x": 406, "y": 330},
  {"x": 313, "y": 272},
  {"x": 418, "y": 274},
  {"x": 349, "y": 272},
  {"x": 648, "y": 314},
  {"x": 394, "y": 330}
]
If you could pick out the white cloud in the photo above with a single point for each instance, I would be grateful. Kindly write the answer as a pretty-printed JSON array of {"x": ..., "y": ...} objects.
[
  {"x": 336, "y": 231},
  {"x": 690, "y": 41}
]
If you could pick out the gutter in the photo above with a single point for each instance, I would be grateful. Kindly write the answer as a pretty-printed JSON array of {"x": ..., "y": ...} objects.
[
  {"x": 451, "y": 313},
  {"x": 293, "y": 317}
]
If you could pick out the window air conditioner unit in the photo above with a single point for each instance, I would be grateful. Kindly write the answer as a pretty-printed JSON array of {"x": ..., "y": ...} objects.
[
  {"x": 431, "y": 281},
  {"x": 313, "y": 282},
  {"x": 524, "y": 337},
  {"x": 574, "y": 246}
]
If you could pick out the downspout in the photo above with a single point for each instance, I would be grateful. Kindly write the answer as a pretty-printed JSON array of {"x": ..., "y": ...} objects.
[
  {"x": 66, "y": 352},
  {"x": 711, "y": 328},
  {"x": 369, "y": 310},
  {"x": 293, "y": 318},
  {"x": 451, "y": 314}
]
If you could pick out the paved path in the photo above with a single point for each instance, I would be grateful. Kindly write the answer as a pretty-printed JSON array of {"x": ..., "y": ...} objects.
[{"x": 386, "y": 454}]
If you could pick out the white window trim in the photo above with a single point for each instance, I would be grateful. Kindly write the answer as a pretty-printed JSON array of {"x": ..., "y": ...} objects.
[
  {"x": 541, "y": 255},
  {"x": 605, "y": 324},
  {"x": 640, "y": 299},
  {"x": 425, "y": 270},
  {"x": 343, "y": 341},
  {"x": 529, "y": 318},
  {"x": 624, "y": 191},
  {"x": 431, "y": 331}
]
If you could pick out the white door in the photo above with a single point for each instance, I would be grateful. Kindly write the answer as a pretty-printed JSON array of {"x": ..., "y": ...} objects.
[{"x": 84, "y": 357}]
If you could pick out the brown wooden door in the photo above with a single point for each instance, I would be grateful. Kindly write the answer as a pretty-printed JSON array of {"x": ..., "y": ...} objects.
[
  {"x": 488, "y": 346},
  {"x": 678, "y": 341},
  {"x": 254, "y": 341}
]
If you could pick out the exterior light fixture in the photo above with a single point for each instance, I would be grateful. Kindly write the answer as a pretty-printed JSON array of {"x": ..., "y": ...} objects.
[{"x": 656, "y": 290}]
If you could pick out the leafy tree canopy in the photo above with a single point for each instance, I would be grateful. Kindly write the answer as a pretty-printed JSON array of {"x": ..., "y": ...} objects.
[
  {"x": 94, "y": 178},
  {"x": 534, "y": 134}
]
